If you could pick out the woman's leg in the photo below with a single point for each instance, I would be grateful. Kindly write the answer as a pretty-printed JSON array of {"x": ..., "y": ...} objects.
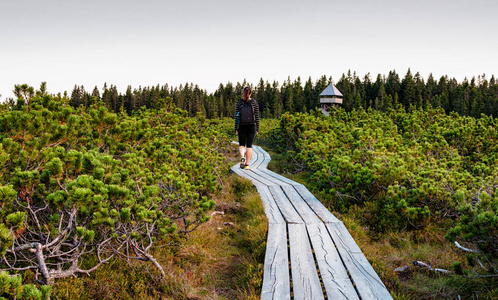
[
  {"x": 248, "y": 155},
  {"x": 250, "y": 138},
  {"x": 242, "y": 144},
  {"x": 242, "y": 150}
]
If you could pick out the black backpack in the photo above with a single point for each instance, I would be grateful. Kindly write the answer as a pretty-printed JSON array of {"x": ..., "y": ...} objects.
[{"x": 247, "y": 113}]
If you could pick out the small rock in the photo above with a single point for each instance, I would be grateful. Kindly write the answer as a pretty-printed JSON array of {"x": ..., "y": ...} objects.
[
  {"x": 401, "y": 270},
  {"x": 403, "y": 273}
]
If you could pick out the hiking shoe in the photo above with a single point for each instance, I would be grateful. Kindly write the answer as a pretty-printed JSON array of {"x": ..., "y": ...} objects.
[
  {"x": 242, "y": 162},
  {"x": 246, "y": 167}
]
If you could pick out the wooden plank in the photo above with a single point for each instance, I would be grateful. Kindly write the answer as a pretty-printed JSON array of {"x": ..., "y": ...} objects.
[
  {"x": 237, "y": 170},
  {"x": 286, "y": 208},
  {"x": 250, "y": 175},
  {"x": 342, "y": 238},
  {"x": 271, "y": 179},
  {"x": 256, "y": 158},
  {"x": 335, "y": 278},
  {"x": 324, "y": 214},
  {"x": 300, "y": 205},
  {"x": 276, "y": 279},
  {"x": 255, "y": 163},
  {"x": 272, "y": 212},
  {"x": 280, "y": 177},
  {"x": 266, "y": 157},
  {"x": 305, "y": 281},
  {"x": 257, "y": 176},
  {"x": 366, "y": 280}
]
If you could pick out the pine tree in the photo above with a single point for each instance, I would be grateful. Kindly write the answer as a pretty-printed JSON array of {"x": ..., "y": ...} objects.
[
  {"x": 277, "y": 101},
  {"x": 383, "y": 104},
  {"x": 308, "y": 95},
  {"x": 76, "y": 96},
  {"x": 430, "y": 91},
  {"x": 106, "y": 96},
  {"x": 393, "y": 84},
  {"x": 408, "y": 91},
  {"x": 298, "y": 96}
]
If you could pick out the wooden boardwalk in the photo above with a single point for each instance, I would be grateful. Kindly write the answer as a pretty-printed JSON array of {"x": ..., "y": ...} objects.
[{"x": 310, "y": 253}]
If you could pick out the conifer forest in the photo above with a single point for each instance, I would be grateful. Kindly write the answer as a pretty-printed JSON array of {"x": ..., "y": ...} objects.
[
  {"x": 468, "y": 98},
  {"x": 96, "y": 177}
]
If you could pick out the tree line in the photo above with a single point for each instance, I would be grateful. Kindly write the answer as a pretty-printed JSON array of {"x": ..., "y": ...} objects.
[{"x": 468, "y": 98}]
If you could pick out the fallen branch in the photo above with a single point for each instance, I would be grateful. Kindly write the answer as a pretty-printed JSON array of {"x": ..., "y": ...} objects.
[
  {"x": 428, "y": 267},
  {"x": 473, "y": 251},
  {"x": 464, "y": 249}
]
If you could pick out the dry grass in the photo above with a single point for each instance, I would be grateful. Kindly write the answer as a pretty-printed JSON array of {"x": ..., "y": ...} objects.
[{"x": 400, "y": 249}]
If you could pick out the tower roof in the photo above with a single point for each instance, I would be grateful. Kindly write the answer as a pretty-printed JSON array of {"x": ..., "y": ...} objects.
[{"x": 331, "y": 90}]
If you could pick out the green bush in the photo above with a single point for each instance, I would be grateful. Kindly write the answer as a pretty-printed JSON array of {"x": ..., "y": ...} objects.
[
  {"x": 400, "y": 170},
  {"x": 11, "y": 287},
  {"x": 89, "y": 185}
]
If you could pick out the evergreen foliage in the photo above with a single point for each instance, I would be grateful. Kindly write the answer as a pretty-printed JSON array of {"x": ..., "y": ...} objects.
[
  {"x": 11, "y": 287},
  {"x": 402, "y": 170},
  {"x": 469, "y": 98},
  {"x": 79, "y": 187}
]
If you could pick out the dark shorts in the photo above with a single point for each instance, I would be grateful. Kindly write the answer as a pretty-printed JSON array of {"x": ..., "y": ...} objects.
[{"x": 246, "y": 135}]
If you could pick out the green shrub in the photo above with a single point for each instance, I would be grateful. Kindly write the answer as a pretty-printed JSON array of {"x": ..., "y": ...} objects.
[{"x": 400, "y": 170}]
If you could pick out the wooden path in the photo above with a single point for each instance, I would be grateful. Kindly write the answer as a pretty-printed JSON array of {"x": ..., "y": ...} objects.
[{"x": 310, "y": 253}]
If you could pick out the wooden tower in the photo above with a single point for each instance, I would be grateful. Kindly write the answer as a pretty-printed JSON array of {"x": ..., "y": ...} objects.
[{"x": 330, "y": 97}]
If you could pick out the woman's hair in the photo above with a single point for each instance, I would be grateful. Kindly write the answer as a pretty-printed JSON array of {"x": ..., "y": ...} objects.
[{"x": 246, "y": 93}]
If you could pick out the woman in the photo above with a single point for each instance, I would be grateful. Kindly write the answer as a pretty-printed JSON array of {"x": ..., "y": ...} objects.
[{"x": 246, "y": 125}]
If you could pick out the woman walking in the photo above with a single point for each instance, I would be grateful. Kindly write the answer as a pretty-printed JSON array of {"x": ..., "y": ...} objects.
[{"x": 246, "y": 125}]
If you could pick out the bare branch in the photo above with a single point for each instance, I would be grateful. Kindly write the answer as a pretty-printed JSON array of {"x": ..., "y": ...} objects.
[{"x": 464, "y": 249}]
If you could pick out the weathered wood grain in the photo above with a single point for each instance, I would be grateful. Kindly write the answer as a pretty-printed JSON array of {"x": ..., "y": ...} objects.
[
  {"x": 272, "y": 211},
  {"x": 324, "y": 214},
  {"x": 271, "y": 179},
  {"x": 276, "y": 279},
  {"x": 290, "y": 214},
  {"x": 334, "y": 275},
  {"x": 365, "y": 278},
  {"x": 254, "y": 173},
  {"x": 305, "y": 281},
  {"x": 308, "y": 216}
]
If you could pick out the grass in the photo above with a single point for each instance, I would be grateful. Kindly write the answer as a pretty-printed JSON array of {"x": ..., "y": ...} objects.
[{"x": 222, "y": 259}]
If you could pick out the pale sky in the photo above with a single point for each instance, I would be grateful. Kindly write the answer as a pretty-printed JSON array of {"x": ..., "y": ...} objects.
[{"x": 208, "y": 42}]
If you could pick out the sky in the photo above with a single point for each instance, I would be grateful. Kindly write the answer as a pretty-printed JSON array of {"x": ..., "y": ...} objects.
[{"x": 208, "y": 43}]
